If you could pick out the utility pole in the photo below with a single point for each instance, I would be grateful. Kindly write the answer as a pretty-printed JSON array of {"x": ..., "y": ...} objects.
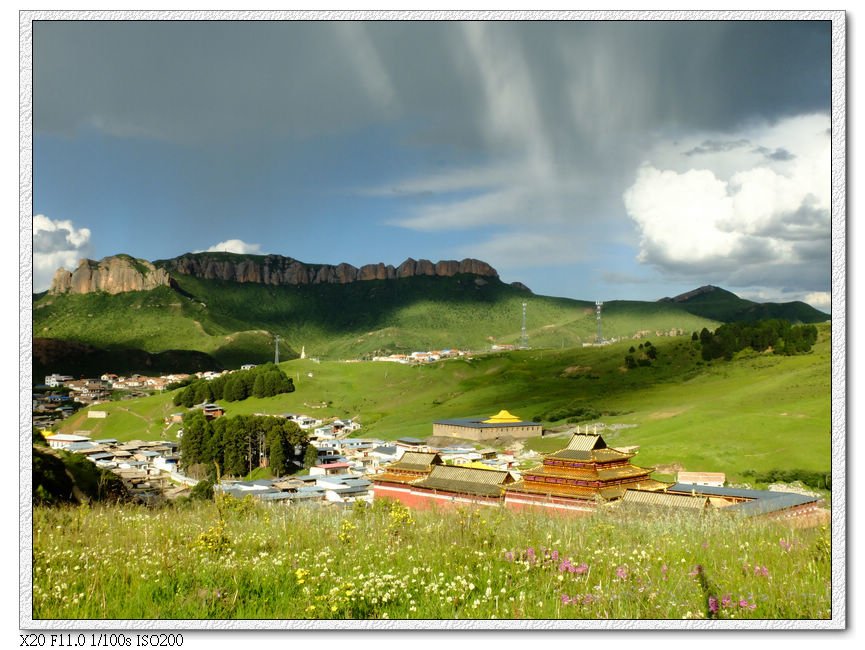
[
  {"x": 276, "y": 350},
  {"x": 524, "y": 337},
  {"x": 598, "y": 305}
]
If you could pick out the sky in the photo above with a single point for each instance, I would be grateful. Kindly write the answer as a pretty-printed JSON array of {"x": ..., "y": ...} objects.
[{"x": 592, "y": 160}]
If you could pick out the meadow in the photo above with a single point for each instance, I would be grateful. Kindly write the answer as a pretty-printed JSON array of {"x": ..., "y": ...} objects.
[
  {"x": 242, "y": 560},
  {"x": 757, "y": 412}
]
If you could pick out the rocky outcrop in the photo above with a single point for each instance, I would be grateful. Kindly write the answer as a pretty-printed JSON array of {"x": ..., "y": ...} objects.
[
  {"x": 115, "y": 274},
  {"x": 121, "y": 273},
  {"x": 278, "y": 270}
]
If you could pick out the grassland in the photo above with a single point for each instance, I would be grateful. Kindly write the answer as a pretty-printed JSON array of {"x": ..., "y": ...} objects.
[
  {"x": 757, "y": 412},
  {"x": 251, "y": 561}
]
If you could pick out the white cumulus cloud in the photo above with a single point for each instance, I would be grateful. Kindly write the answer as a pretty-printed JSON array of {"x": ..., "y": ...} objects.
[
  {"x": 234, "y": 246},
  {"x": 735, "y": 215},
  {"x": 56, "y": 244}
]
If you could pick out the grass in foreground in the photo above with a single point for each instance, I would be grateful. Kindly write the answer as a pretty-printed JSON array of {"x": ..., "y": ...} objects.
[{"x": 188, "y": 562}]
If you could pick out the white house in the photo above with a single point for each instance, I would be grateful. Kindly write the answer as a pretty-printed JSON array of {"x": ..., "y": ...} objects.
[{"x": 64, "y": 440}]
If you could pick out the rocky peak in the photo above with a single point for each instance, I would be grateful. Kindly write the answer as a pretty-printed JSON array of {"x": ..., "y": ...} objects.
[{"x": 114, "y": 274}]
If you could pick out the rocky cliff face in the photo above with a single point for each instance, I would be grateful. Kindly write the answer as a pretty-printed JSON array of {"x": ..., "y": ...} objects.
[
  {"x": 115, "y": 274},
  {"x": 121, "y": 273},
  {"x": 278, "y": 270}
]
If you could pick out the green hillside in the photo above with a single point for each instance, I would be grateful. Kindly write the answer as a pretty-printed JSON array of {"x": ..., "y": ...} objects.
[
  {"x": 759, "y": 411},
  {"x": 721, "y": 305},
  {"x": 235, "y": 323}
]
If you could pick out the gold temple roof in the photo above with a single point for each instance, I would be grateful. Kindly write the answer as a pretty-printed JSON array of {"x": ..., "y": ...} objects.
[{"x": 502, "y": 417}]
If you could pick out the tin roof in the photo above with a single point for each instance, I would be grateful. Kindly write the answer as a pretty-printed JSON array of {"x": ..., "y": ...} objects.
[{"x": 757, "y": 502}]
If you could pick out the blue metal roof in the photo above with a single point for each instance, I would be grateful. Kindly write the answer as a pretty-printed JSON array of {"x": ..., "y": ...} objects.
[{"x": 759, "y": 502}]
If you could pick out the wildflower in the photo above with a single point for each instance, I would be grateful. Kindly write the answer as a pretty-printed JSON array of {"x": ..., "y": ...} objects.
[
  {"x": 566, "y": 600},
  {"x": 785, "y": 545},
  {"x": 664, "y": 571},
  {"x": 581, "y": 569},
  {"x": 726, "y": 601},
  {"x": 713, "y": 604},
  {"x": 509, "y": 556},
  {"x": 761, "y": 571},
  {"x": 622, "y": 572},
  {"x": 697, "y": 570}
]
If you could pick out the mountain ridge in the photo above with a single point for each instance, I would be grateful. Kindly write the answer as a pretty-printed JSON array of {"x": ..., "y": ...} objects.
[{"x": 123, "y": 273}]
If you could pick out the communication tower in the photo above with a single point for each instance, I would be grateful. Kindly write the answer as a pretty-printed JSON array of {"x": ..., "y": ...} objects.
[
  {"x": 524, "y": 337},
  {"x": 598, "y": 305}
]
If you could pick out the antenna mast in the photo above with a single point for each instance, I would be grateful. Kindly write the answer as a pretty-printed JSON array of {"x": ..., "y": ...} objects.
[
  {"x": 524, "y": 337},
  {"x": 598, "y": 305},
  {"x": 276, "y": 349}
]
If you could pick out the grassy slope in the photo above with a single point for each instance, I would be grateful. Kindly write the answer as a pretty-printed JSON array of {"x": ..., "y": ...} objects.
[
  {"x": 756, "y": 412},
  {"x": 233, "y": 321}
]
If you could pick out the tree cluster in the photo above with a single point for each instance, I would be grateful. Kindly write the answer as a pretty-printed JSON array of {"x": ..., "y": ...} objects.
[
  {"x": 642, "y": 356},
  {"x": 262, "y": 381},
  {"x": 239, "y": 444},
  {"x": 777, "y": 334},
  {"x": 822, "y": 480}
]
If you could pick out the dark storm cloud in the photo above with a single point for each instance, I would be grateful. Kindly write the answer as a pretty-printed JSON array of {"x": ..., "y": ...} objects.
[
  {"x": 717, "y": 146},
  {"x": 193, "y": 80}
]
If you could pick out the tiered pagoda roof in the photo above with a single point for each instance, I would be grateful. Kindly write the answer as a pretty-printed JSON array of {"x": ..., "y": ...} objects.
[
  {"x": 413, "y": 465},
  {"x": 586, "y": 469}
]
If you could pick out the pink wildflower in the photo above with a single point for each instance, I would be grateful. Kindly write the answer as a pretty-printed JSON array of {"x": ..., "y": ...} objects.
[
  {"x": 582, "y": 568},
  {"x": 726, "y": 600},
  {"x": 761, "y": 571},
  {"x": 622, "y": 572},
  {"x": 785, "y": 544}
]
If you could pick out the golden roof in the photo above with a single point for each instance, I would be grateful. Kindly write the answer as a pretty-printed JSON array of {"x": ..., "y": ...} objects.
[{"x": 502, "y": 417}]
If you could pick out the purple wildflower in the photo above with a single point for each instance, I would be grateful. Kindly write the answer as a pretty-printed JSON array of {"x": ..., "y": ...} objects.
[
  {"x": 588, "y": 599},
  {"x": 622, "y": 572},
  {"x": 785, "y": 544},
  {"x": 555, "y": 556},
  {"x": 713, "y": 604},
  {"x": 566, "y": 600},
  {"x": 761, "y": 571},
  {"x": 726, "y": 601},
  {"x": 582, "y": 568},
  {"x": 530, "y": 554}
]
